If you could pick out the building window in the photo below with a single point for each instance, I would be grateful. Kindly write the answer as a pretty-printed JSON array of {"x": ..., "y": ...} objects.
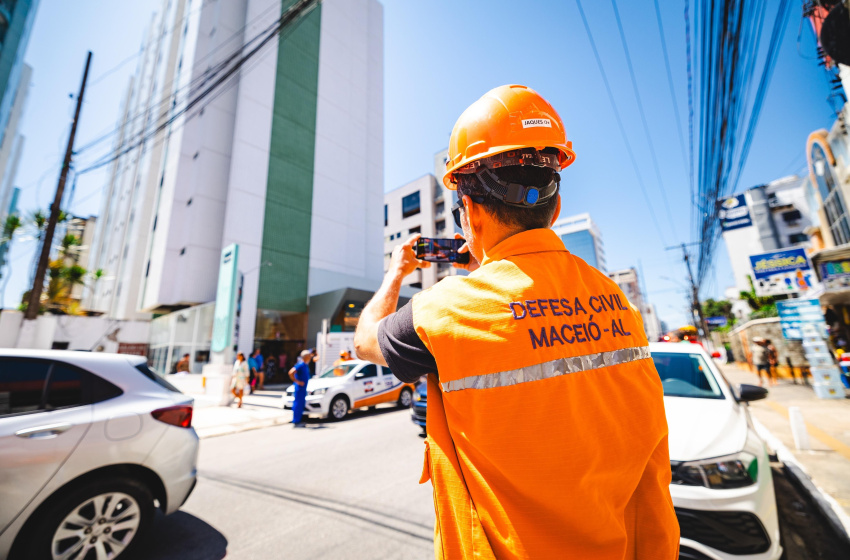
[
  {"x": 792, "y": 216},
  {"x": 386, "y": 220},
  {"x": 417, "y": 229},
  {"x": 833, "y": 203},
  {"x": 410, "y": 205},
  {"x": 439, "y": 227},
  {"x": 441, "y": 207},
  {"x": 795, "y": 238}
]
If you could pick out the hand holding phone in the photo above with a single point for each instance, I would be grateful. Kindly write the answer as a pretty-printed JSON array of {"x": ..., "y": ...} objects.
[{"x": 441, "y": 250}]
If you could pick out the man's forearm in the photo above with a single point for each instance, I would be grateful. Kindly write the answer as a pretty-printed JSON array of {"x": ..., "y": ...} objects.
[{"x": 383, "y": 303}]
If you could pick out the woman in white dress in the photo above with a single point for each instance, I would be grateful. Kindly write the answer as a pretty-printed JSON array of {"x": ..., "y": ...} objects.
[{"x": 240, "y": 377}]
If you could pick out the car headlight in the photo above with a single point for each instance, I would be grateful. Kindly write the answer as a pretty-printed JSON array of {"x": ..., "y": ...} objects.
[
  {"x": 417, "y": 396},
  {"x": 731, "y": 471},
  {"x": 319, "y": 391}
]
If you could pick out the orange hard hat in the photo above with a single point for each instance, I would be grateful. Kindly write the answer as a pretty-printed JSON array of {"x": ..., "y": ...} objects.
[{"x": 506, "y": 118}]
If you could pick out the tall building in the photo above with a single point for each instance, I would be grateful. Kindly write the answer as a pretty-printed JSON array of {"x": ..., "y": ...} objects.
[
  {"x": 628, "y": 280},
  {"x": 16, "y": 21},
  {"x": 582, "y": 238},
  {"x": 421, "y": 206},
  {"x": 767, "y": 218},
  {"x": 285, "y": 160}
]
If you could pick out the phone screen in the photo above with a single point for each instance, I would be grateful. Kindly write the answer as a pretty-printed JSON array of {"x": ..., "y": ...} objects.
[{"x": 441, "y": 250}]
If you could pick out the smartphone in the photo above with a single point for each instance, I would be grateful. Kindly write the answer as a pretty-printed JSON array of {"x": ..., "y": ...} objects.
[{"x": 441, "y": 250}]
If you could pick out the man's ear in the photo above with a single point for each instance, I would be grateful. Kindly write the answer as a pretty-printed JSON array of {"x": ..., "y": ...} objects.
[{"x": 557, "y": 211}]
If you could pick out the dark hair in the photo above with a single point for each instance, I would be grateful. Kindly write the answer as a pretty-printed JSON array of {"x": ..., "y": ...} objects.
[{"x": 521, "y": 217}]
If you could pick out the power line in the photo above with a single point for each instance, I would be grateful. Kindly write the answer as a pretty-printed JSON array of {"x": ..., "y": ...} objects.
[
  {"x": 193, "y": 84},
  {"x": 619, "y": 121},
  {"x": 298, "y": 10},
  {"x": 679, "y": 127},
  {"x": 664, "y": 196}
]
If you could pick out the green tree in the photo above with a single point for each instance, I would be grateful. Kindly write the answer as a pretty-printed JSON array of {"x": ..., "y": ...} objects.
[{"x": 762, "y": 306}]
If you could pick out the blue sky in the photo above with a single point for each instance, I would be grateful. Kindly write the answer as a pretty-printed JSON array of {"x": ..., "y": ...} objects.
[{"x": 440, "y": 56}]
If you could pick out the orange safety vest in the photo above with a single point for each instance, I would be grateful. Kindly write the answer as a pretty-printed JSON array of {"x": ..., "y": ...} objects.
[{"x": 547, "y": 436}]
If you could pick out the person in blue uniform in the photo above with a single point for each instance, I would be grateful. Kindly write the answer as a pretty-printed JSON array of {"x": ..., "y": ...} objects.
[{"x": 300, "y": 375}]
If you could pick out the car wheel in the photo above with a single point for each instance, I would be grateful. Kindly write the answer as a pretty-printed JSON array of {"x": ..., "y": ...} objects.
[
  {"x": 339, "y": 407},
  {"x": 405, "y": 398},
  {"x": 101, "y": 520}
]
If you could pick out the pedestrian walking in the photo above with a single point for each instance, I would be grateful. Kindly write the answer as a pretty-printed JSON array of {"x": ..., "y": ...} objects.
[
  {"x": 271, "y": 368},
  {"x": 183, "y": 364},
  {"x": 547, "y": 436},
  {"x": 258, "y": 375},
  {"x": 760, "y": 359},
  {"x": 772, "y": 362},
  {"x": 240, "y": 378},
  {"x": 300, "y": 375}
]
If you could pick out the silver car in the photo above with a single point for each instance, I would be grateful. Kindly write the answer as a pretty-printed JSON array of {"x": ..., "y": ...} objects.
[{"x": 90, "y": 445}]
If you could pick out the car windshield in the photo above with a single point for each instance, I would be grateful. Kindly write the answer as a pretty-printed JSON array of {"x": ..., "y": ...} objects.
[
  {"x": 686, "y": 375},
  {"x": 338, "y": 371}
]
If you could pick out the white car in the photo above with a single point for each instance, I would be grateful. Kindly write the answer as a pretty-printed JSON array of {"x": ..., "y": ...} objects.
[
  {"x": 90, "y": 445},
  {"x": 351, "y": 385},
  {"x": 722, "y": 485}
]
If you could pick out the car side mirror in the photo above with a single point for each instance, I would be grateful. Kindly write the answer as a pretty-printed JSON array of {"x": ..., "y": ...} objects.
[
  {"x": 359, "y": 375},
  {"x": 749, "y": 393}
]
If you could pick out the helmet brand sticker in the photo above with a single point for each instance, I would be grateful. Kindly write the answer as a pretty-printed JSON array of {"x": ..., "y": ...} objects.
[{"x": 531, "y": 123}]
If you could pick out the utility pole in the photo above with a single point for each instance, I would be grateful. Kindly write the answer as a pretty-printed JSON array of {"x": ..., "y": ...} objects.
[
  {"x": 695, "y": 302},
  {"x": 44, "y": 259}
]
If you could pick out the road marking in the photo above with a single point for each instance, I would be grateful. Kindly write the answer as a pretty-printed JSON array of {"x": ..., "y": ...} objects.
[{"x": 838, "y": 446}]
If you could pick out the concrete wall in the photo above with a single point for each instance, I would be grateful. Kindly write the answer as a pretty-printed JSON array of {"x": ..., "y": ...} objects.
[
  {"x": 741, "y": 341},
  {"x": 79, "y": 332}
]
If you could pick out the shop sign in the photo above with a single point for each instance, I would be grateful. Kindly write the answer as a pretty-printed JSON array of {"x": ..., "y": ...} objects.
[
  {"x": 717, "y": 321},
  {"x": 794, "y": 313},
  {"x": 835, "y": 275},
  {"x": 734, "y": 213},
  {"x": 782, "y": 272}
]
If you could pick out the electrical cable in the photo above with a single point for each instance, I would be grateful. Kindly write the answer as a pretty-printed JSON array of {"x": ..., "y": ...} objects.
[
  {"x": 296, "y": 11},
  {"x": 679, "y": 127},
  {"x": 664, "y": 197},
  {"x": 192, "y": 84},
  {"x": 620, "y": 122}
]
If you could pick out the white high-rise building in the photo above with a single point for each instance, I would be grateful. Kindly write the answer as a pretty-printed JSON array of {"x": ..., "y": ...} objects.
[
  {"x": 422, "y": 206},
  {"x": 285, "y": 160}
]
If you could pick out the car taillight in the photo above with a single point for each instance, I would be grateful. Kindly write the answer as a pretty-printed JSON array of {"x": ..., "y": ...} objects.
[{"x": 180, "y": 416}]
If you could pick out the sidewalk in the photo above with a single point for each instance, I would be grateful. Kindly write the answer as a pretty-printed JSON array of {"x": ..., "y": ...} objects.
[
  {"x": 260, "y": 410},
  {"x": 828, "y": 425}
]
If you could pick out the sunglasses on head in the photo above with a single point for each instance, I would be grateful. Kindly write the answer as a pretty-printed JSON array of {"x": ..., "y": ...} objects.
[{"x": 457, "y": 206}]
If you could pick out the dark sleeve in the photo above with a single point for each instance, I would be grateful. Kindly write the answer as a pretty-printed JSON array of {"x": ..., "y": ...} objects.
[{"x": 404, "y": 351}]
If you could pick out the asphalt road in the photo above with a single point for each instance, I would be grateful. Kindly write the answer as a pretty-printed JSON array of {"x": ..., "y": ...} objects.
[
  {"x": 332, "y": 490},
  {"x": 350, "y": 490}
]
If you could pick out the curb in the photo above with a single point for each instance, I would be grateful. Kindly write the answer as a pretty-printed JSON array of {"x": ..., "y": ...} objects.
[
  {"x": 829, "y": 510},
  {"x": 805, "y": 485},
  {"x": 227, "y": 429}
]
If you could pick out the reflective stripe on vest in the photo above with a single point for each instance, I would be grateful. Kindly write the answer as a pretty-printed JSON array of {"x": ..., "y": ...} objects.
[{"x": 546, "y": 370}]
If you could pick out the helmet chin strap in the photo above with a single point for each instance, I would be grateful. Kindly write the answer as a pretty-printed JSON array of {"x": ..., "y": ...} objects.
[{"x": 515, "y": 194}]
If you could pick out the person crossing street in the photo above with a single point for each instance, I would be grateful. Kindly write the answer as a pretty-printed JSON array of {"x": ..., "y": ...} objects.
[
  {"x": 300, "y": 375},
  {"x": 547, "y": 436}
]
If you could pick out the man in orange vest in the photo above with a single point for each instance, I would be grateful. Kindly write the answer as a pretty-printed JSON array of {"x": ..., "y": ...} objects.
[{"x": 547, "y": 436}]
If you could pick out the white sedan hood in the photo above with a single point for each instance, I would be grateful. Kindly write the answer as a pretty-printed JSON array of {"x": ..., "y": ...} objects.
[{"x": 704, "y": 428}]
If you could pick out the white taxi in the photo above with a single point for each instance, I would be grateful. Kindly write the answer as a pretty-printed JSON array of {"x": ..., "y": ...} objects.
[{"x": 351, "y": 385}]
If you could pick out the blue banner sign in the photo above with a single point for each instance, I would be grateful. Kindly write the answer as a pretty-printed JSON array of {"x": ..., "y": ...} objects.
[
  {"x": 716, "y": 321},
  {"x": 788, "y": 260},
  {"x": 835, "y": 275},
  {"x": 793, "y": 313},
  {"x": 734, "y": 213}
]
